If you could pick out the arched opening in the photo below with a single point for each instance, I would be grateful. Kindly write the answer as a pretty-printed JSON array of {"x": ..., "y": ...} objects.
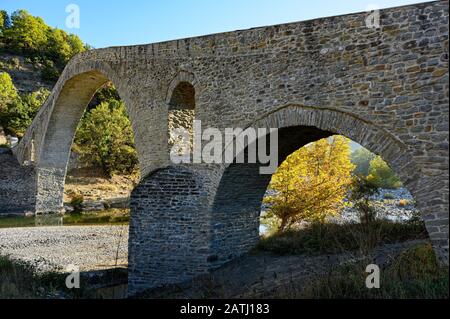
[
  {"x": 241, "y": 190},
  {"x": 54, "y": 150},
  {"x": 337, "y": 183},
  {"x": 83, "y": 102},
  {"x": 315, "y": 183},
  {"x": 236, "y": 208},
  {"x": 181, "y": 115},
  {"x": 102, "y": 168}
]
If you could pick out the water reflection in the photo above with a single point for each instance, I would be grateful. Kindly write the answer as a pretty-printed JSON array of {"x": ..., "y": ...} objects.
[{"x": 48, "y": 220}]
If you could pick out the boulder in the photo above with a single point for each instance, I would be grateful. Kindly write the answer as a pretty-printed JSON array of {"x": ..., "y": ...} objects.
[{"x": 2, "y": 136}]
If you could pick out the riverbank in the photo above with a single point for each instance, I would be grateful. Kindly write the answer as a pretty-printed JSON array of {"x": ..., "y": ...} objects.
[
  {"x": 104, "y": 217},
  {"x": 55, "y": 248},
  {"x": 34, "y": 263}
]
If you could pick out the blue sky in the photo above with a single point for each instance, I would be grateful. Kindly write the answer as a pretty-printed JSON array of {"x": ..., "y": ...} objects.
[{"x": 106, "y": 23}]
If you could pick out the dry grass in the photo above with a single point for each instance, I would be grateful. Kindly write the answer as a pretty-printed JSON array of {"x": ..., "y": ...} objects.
[
  {"x": 331, "y": 238},
  {"x": 414, "y": 274},
  {"x": 93, "y": 185},
  {"x": 18, "y": 280}
]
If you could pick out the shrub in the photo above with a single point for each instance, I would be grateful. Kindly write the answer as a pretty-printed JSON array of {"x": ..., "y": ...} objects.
[
  {"x": 8, "y": 92},
  {"x": 19, "y": 279},
  {"x": 361, "y": 192},
  {"x": 49, "y": 72},
  {"x": 403, "y": 202},
  {"x": 14, "y": 62},
  {"x": 388, "y": 196},
  {"x": 76, "y": 201},
  {"x": 331, "y": 238},
  {"x": 381, "y": 175}
]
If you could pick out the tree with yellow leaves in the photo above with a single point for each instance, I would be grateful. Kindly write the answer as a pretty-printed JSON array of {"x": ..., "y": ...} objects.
[{"x": 311, "y": 184}]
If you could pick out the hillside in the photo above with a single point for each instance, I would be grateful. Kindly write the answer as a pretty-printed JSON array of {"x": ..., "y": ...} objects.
[
  {"x": 32, "y": 57},
  {"x": 26, "y": 76}
]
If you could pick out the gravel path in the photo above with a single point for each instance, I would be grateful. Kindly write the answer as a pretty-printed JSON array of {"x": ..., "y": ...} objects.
[{"x": 54, "y": 248}]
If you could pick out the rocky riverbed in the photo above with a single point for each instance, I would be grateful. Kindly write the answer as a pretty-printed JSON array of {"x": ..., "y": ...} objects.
[
  {"x": 396, "y": 205},
  {"x": 55, "y": 248},
  {"x": 392, "y": 204},
  {"x": 102, "y": 247}
]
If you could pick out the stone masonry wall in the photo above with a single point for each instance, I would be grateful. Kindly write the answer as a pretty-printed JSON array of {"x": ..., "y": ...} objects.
[
  {"x": 170, "y": 224},
  {"x": 17, "y": 186}
]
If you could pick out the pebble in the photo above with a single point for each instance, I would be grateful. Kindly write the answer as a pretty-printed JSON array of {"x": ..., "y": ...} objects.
[{"x": 55, "y": 248}]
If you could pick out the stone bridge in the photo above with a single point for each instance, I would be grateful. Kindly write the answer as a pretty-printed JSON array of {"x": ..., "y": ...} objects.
[{"x": 385, "y": 88}]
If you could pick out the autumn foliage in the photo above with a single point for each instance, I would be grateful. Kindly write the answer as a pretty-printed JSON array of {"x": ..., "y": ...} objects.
[{"x": 310, "y": 185}]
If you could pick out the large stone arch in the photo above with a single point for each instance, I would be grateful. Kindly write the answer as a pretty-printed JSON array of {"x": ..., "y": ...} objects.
[
  {"x": 62, "y": 113},
  {"x": 237, "y": 202}
]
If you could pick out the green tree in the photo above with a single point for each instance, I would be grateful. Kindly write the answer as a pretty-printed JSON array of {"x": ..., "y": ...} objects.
[
  {"x": 62, "y": 46},
  {"x": 105, "y": 139},
  {"x": 8, "y": 92},
  {"x": 32, "y": 36},
  {"x": 105, "y": 94},
  {"x": 76, "y": 45},
  {"x": 4, "y": 21},
  {"x": 311, "y": 184},
  {"x": 381, "y": 175},
  {"x": 20, "y": 112},
  {"x": 59, "y": 48},
  {"x": 27, "y": 33},
  {"x": 361, "y": 159},
  {"x": 87, "y": 47}
]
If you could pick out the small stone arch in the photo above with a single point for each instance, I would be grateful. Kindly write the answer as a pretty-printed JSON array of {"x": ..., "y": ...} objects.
[
  {"x": 181, "y": 77},
  {"x": 181, "y": 107}
]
